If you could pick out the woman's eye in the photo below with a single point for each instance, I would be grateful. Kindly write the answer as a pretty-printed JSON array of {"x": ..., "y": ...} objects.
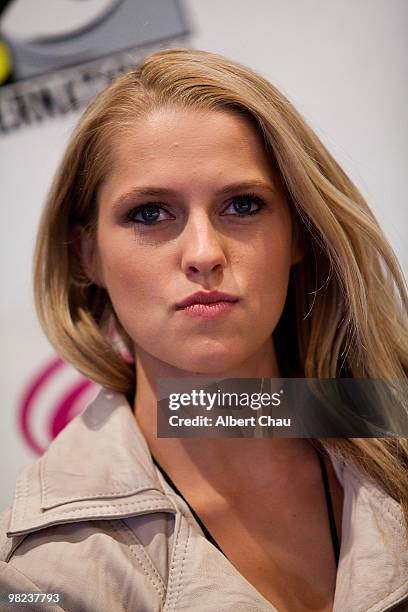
[
  {"x": 147, "y": 214},
  {"x": 151, "y": 214},
  {"x": 245, "y": 205}
]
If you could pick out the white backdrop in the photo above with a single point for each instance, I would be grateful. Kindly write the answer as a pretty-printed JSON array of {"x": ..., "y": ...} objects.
[{"x": 342, "y": 63}]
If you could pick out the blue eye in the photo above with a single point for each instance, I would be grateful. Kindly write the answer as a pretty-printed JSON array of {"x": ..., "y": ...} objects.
[
  {"x": 243, "y": 204},
  {"x": 149, "y": 213}
]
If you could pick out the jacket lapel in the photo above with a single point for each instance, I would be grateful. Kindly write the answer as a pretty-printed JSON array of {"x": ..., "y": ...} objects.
[
  {"x": 373, "y": 565},
  {"x": 98, "y": 467}
]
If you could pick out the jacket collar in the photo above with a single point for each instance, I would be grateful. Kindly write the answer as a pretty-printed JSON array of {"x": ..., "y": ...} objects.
[
  {"x": 100, "y": 467},
  {"x": 373, "y": 566}
]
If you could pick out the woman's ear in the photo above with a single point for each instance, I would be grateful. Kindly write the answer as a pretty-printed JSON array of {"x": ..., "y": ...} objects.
[{"x": 88, "y": 256}]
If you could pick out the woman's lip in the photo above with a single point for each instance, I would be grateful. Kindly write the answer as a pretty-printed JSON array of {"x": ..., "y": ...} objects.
[
  {"x": 208, "y": 311},
  {"x": 206, "y": 297}
]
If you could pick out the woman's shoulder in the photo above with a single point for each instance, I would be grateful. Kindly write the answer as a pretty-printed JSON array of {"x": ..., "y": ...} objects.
[
  {"x": 374, "y": 548},
  {"x": 85, "y": 511},
  {"x": 99, "y": 466},
  {"x": 86, "y": 564}
]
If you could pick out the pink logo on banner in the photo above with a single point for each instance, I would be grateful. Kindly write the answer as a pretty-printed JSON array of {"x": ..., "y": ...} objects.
[{"x": 68, "y": 403}]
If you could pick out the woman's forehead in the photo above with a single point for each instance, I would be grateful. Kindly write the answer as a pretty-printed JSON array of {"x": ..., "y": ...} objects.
[{"x": 179, "y": 145}]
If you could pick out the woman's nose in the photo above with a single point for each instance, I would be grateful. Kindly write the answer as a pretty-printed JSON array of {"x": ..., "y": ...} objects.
[{"x": 203, "y": 251}]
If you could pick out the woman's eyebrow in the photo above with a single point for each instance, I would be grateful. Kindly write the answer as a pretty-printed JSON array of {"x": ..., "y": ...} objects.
[
  {"x": 166, "y": 192},
  {"x": 247, "y": 186}
]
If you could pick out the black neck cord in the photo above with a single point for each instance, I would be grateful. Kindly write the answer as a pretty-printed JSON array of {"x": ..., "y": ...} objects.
[{"x": 330, "y": 511}]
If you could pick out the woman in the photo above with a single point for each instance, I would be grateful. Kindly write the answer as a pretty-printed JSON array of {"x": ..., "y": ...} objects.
[{"x": 193, "y": 180}]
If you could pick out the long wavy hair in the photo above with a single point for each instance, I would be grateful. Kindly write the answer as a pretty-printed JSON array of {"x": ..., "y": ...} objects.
[{"x": 345, "y": 312}]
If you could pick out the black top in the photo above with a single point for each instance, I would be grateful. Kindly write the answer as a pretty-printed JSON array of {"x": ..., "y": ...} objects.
[{"x": 330, "y": 511}]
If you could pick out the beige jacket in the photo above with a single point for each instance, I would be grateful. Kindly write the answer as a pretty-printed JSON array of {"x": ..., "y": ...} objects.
[{"x": 94, "y": 521}]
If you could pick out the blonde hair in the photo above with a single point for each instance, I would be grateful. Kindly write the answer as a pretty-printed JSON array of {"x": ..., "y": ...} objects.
[{"x": 347, "y": 295}]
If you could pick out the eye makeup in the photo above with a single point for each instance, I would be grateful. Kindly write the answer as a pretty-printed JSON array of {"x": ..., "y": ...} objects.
[{"x": 149, "y": 212}]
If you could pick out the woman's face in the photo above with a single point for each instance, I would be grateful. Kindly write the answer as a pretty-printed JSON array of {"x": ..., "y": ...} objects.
[{"x": 191, "y": 204}]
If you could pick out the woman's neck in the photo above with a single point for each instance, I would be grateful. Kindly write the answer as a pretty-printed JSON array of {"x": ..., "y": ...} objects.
[
  {"x": 150, "y": 369},
  {"x": 218, "y": 463}
]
